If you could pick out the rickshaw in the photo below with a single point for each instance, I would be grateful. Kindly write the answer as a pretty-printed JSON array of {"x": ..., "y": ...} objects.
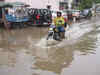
[{"x": 15, "y": 14}]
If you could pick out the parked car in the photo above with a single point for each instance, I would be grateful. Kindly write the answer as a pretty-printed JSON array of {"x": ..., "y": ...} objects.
[
  {"x": 98, "y": 10},
  {"x": 40, "y": 16},
  {"x": 86, "y": 13},
  {"x": 76, "y": 13},
  {"x": 82, "y": 15}
]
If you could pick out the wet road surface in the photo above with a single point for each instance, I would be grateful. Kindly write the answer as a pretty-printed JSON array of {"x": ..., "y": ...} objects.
[{"x": 26, "y": 51}]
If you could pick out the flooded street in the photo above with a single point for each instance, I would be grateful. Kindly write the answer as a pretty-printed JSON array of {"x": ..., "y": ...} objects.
[{"x": 27, "y": 52}]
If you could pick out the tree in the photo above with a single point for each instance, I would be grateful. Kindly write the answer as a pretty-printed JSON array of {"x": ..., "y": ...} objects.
[
  {"x": 85, "y": 4},
  {"x": 97, "y": 1}
]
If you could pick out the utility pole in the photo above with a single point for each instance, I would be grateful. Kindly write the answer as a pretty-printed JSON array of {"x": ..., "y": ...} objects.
[
  {"x": 48, "y": 1},
  {"x": 48, "y": 5}
]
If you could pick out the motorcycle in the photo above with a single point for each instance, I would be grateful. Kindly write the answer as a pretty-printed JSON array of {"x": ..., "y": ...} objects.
[{"x": 53, "y": 33}]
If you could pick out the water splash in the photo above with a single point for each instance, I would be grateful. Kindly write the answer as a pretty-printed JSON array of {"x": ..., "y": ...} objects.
[{"x": 72, "y": 35}]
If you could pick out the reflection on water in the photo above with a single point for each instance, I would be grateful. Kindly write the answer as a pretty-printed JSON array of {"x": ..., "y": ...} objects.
[
  {"x": 20, "y": 56},
  {"x": 7, "y": 58},
  {"x": 56, "y": 61}
]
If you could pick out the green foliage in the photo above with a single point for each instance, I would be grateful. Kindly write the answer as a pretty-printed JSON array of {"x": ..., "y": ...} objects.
[
  {"x": 85, "y": 4},
  {"x": 97, "y": 1}
]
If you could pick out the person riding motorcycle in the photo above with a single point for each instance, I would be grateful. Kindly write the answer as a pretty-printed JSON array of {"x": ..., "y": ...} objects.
[{"x": 59, "y": 23}]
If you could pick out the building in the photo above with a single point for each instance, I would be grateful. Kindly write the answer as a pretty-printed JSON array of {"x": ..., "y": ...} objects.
[
  {"x": 39, "y": 3},
  {"x": 76, "y": 2},
  {"x": 65, "y": 4},
  {"x": 55, "y": 4}
]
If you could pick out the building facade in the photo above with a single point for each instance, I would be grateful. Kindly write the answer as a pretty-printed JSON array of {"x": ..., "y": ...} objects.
[
  {"x": 55, "y": 4},
  {"x": 39, "y": 3}
]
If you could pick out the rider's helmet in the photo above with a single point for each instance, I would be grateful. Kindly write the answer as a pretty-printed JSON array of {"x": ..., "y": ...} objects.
[{"x": 59, "y": 14}]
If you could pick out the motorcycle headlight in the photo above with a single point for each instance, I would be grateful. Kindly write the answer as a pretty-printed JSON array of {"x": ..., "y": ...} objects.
[{"x": 50, "y": 29}]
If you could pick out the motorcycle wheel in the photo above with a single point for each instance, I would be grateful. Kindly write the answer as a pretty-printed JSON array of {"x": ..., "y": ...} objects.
[{"x": 56, "y": 36}]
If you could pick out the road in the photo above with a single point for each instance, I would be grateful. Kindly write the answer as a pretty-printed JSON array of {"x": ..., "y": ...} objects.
[{"x": 26, "y": 51}]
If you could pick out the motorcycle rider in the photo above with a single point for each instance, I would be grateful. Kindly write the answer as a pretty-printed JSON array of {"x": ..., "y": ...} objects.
[{"x": 59, "y": 23}]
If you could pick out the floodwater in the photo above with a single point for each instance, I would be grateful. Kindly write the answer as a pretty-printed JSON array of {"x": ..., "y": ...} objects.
[{"x": 27, "y": 52}]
